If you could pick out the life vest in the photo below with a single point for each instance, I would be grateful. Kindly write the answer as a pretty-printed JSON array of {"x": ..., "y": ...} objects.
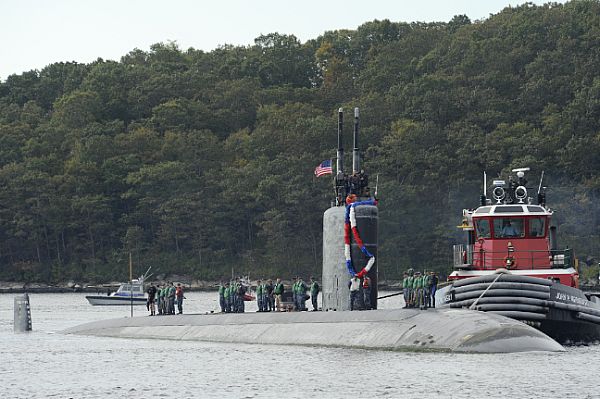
[
  {"x": 366, "y": 282},
  {"x": 279, "y": 289}
]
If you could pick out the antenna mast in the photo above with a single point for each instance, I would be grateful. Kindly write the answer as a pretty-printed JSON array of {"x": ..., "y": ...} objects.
[
  {"x": 340, "y": 149},
  {"x": 355, "y": 154}
]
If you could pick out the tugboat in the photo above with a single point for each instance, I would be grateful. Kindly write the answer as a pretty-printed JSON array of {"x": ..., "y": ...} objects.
[{"x": 510, "y": 265}]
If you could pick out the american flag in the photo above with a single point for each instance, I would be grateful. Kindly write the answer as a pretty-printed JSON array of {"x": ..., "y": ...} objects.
[{"x": 324, "y": 168}]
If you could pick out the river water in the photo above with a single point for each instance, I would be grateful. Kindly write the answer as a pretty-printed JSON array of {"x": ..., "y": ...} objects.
[{"x": 48, "y": 364}]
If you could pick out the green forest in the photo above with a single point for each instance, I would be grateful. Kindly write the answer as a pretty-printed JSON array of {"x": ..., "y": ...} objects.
[{"x": 201, "y": 163}]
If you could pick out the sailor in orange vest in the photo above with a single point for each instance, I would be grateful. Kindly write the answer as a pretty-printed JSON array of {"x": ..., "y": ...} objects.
[
  {"x": 179, "y": 296},
  {"x": 366, "y": 285}
]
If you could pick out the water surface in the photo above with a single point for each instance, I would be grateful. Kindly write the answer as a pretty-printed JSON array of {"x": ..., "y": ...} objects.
[{"x": 48, "y": 364}]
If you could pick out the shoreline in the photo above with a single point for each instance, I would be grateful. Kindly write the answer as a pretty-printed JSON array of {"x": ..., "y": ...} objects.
[
  {"x": 206, "y": 286},
  {"x": 197, "y": 286},
  {"x": 21, "y": 288}
]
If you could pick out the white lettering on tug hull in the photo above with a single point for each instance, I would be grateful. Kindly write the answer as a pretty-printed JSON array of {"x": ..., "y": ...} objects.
[{"x": 561, "y": 296}]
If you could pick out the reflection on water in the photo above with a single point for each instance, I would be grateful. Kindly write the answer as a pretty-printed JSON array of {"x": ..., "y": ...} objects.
[{"x": 45, "y": 364}]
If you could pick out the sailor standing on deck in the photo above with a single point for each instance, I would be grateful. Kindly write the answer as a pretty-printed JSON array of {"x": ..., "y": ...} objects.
[
  {"x": 151, "y": 295},
  {"x": 366, "y": 288},
  {"x": 426, "y": 290},
  {"x": 240, "y": 297},
  {"x": 278, "y": 291},
  {"x": 264, "y": 299},
  {"x": 165, "y": 298},
  {"x": 222, "y": 297},
  {"x": 354, "y": 285},
  {"x": 314, "y": 293},
  {"x": 227, "y": 297},
  {"x": 159, "y": 299},
  {"x": 301, "y": 288},
  {"x": 411, "y": 302},
  {"x": 405, "y": 288},
  {"x": 295, "y": 293},
  {"x": 171, "y": 294},
  {"x": 179, "y": 298},
  {"x": 259, "y": 296},
  {"x": 434, "y": 283},
  {"x": 235, "y": 285},
  {"x": 269, "y": 287},
  {"x": 417, "y": 289}
]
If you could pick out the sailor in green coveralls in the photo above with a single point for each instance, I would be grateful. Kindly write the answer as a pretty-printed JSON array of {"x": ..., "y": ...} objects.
[
  {"x": 259, "y": 296},
  {"x": 418, "y": 287},
  {"x": 405, "y": 288},
  {"x": 227, "y": 297},
  {"x": 409, "y": 283}
]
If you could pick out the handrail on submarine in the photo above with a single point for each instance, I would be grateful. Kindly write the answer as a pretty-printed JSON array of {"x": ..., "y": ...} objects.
[{"x": 390, "y": 295}]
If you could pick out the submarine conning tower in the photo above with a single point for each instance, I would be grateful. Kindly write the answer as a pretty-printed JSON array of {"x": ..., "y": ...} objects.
[{"x": 349, "y": 231}]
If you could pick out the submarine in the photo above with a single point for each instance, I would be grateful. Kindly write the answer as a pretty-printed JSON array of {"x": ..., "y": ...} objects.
[{"x": 349, "y": 243}]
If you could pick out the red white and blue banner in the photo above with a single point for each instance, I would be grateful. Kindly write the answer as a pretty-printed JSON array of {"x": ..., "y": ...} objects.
[{"x": 350, "y": 226}]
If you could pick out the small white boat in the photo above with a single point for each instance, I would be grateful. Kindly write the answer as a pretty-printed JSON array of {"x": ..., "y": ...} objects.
[{"x": 125, "y": 295}]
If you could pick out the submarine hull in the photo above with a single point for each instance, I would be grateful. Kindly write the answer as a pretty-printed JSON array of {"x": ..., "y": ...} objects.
[{"x": 449, "y": 330}]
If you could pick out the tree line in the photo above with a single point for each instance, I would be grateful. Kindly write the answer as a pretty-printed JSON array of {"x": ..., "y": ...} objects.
[{"x": 200, "y": 163}]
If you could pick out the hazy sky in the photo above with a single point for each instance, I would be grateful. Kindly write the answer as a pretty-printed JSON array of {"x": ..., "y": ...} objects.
[{"x": 35, "y": 33}]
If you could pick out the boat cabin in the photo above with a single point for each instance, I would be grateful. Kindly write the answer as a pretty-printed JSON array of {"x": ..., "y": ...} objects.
[{"x": 136, "y": 289}]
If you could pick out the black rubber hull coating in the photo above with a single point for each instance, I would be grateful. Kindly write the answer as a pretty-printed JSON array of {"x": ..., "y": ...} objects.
[
  {"x": 504, "y": 278},
  {"x": 502, "y": 285}
]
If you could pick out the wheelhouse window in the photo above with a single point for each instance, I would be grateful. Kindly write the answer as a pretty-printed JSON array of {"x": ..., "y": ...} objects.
[
  {"x": 537, "y": 227},
  {"x": 483, "y": 228},
  {"x": 509, "y": 228}
]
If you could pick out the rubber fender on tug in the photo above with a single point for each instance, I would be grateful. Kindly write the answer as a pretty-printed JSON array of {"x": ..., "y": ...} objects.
[
  {"x": 575, "y": 308},
  {"x": 504, "y": 278},
  {"x": 502, "y": 285},
  {"x": 520, "y": 315},
  {"x": 493, "y": 292},
  {"x": 512, "y": 306},
  {"x": 500, "y": 299},
  {"x": 588, "y": 317}
]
